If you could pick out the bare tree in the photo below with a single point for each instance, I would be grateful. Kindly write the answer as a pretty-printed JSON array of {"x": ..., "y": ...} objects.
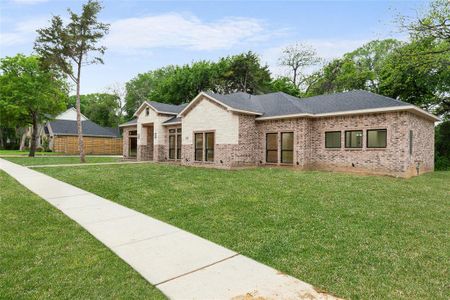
[
  {"x": 118, "y": 90},
  {"x": 297, "y": 57},
  {"x": 72, "y": 46}
]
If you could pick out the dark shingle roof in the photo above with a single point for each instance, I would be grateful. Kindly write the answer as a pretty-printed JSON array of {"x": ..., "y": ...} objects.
[
  {"x": 69, "y": 127},
  {"x": 173, "y": 120},
  {"x": 129, "y": 123},
  {"x": 280, "y": 104},
  {"x": 164, "y": 107}
]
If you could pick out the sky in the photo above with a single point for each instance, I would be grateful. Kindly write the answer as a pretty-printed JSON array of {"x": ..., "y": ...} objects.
[{"x": 146, "y": 35}]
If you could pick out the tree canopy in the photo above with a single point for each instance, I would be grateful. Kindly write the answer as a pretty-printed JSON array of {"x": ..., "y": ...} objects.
[
  {"x": 180, "y": 84},
  {"x": 101, "y": 108},
  {"x": 29, "y": 93}
]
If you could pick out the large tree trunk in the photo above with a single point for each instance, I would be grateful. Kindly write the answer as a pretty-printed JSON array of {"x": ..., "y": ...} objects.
[
  {"x": 33, "y": 136},
  {"x": 79, "y": 127},
  {"x": 23, "y": 139}
]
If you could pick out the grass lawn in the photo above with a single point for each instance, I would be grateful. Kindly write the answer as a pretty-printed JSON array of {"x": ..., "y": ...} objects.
[
  {"x": 18, "y": 152},
  {"x": 44, "y": 254},
  {"x": 33, "y": 161},
  {"x": 354, "y": 236}
]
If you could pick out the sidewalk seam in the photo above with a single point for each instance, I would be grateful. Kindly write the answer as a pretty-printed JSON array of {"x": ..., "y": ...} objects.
[{"x": 193, "y": 271}]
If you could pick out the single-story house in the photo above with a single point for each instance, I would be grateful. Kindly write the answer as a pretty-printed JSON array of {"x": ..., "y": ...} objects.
[
  {"x": 354, "y": 131},
  {"x": 62, "y": 135}
]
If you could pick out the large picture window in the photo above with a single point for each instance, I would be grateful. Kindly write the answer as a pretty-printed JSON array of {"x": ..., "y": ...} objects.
[
  {"x": 333, "y": 139},
  {"x": 198, "y": 146},
  {"x": 287, "y": 147},
  {"x": 376, "y": 138},
  {"x": 272, "y": 147},
  {"x": 354, "y": 139}
]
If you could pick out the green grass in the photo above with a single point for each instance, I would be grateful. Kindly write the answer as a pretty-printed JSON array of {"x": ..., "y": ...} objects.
[
  {"x": 354, "y": 236},
  {"x": 18, "y": 152},
  {"x": 45, "y": 255},
  {"x": 34, "y": 161}
]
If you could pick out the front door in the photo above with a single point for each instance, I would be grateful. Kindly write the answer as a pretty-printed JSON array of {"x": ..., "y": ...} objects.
[{"x": 132, "y": 147}]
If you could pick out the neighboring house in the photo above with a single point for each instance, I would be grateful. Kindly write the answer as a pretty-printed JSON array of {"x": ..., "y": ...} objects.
[
  {"x": 62, "y": 135},
  {"x": 354, "y": 131}
]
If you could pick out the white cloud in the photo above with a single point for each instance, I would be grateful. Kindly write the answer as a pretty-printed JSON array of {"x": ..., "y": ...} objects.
[
  {"x": 23, "y": 32},
  {"x": 175, "y": 30}
]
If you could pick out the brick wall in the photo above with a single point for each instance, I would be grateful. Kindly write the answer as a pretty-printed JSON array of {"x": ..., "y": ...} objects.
[
  {"x": 389, "y": 160},
  {"x": 92, "y": 145},
  {"x": 301, "y": 129},
  {"x": 423, "y": 146},
  {"x": 125, "y": 138},
  {"x": 145, "y": 152}
]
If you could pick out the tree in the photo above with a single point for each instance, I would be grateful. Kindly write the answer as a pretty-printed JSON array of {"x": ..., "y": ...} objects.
[
  {"x": 285, "y": 85},
  {"x": 180, "y": 84},
  {"x": 297, "y": 57},
  {"x": 425, "y": 83},
  {"x": 242, "y": 73},
  {"x": 100, "y": 108},
  {"x": 29, "y": 94},
  {"x": 72, "y": 46},
  {"x": 359, "y": 69},
  {"x": 433, "y": 25}
]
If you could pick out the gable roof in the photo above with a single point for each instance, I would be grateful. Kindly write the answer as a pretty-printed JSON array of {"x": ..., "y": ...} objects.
[
  {"x": 129, "y": 123},
  {"x": 172, "y": 121},
  {"x": 281, "y": 105},
  {"x": 70, "y": 114},
  {"x": 69, "y": 127},
  {"x": 162, "y": 108}
]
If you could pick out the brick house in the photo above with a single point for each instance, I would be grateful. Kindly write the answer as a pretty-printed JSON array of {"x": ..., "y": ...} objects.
[
  {"x": 354, "y": 131},
  {"x": 62, "y": 135}
]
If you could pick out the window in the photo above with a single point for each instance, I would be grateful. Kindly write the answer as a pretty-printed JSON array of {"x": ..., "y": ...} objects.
[
  {"x": 132, "y": 132},
  {"x": 198, "y": 146},
  {"x": 147, "y": 111},
  {"x": 376, "y": 138},
  {"x": 287, "y": 147},
  {"x": 272, "y": 147},
  {"x": 172, "y": 146},
  {"x": 204, "y": 141},
  {"x": 175, "y": 143},
  {"x": 333, "y": 139},
  {"x": 178, "y": 146},
  {"x": 353, "y": 139},
  {"x": 410, "y": 142},
  {"x": 209, "y": 146}
]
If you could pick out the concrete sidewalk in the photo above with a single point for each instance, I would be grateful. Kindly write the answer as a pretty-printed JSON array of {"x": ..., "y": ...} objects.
[{"x": 180, "y": 264}]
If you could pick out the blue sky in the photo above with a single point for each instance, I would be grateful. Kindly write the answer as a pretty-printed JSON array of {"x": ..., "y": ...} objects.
[{"x": 147, "y": 34}]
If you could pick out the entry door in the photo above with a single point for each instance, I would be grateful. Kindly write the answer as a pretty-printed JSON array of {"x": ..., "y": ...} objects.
[{"x": 132, "y": 147}]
